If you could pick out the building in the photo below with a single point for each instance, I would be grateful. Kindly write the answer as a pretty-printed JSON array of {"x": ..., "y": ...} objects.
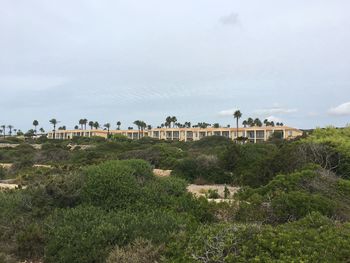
[{"x": 253, "y": 134}]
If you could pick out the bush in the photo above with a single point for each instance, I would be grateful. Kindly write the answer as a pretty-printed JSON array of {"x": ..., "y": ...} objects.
[
  {"x": 113, "y": 184},
  {"x": 139, "y": 251},
  {"x": 213, "y": 194},
  {"x": 204, "y": 167},
  {"x": 290, "y": 197},
  {"x": 312, "y": 239},
  {"x": 87, "y": 234}
]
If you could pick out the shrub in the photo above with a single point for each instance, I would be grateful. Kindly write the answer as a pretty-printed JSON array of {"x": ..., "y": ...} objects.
[
  {"x": 204, "y": 167},
  {"x": 111, "y": 185},
  {"x": 213, "y": 194},
  {"x": 312, "y": 239},
  {"x": 139, "y": 251},
  {"x": 86, "y": 234}
]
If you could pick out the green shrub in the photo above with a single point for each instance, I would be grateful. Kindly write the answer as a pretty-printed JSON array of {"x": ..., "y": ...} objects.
[
  {"x": 112, "y": 184},
  {"x": 204, "y": 167},
  {"x": 312, "y": 239},
  {"x": 87, "y": 234},
  {"x": 139, "y": 251},
  {"x": 213, "y": 194}
]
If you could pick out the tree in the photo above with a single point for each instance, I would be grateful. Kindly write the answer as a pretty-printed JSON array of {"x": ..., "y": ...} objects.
[
  {"x": 42, "y": 130},
  {"x": 168, "y": 121},
  {"x": 76, "y": 127},
  {"x": 237, "y": 114},
  {"x": 54, "y": 123},
  {"x": 81, "y": 123},
  {"x": 96, "y": 125},
  {"x": 91, "y": 124},
  {"x": 118, "y": 125},
  {"x": 257, "y": 122},
  {"x": 216, "y": 125},
  {"x": 4, "y": 130},
  {"x": 85, "y": 121},
  {"x": 245, "y": 123},
  {"x": 35, "y": 124},
  {"x": 173, "y": 120},
  {"x": 250, "y": 122},
  {"x": 138, "y": 124},
  {"x": 10, "y": 127},
  {"x": 107, "y": 126}
]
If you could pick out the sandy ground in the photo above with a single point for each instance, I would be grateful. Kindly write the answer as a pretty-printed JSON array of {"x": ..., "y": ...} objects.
[
  {"x": 9, "y": 186},
  {"x": 201, "y": 190},
  {"x": 161, "y": 173},
  {"x": 9, "y": 165}
]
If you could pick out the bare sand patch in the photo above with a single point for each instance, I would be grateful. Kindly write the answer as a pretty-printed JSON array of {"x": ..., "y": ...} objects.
[
  {"x": 202, "y": 190},
  {"x": 161, "y": 173}
]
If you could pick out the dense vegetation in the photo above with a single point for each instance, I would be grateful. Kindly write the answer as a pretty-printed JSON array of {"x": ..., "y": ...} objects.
[{"x": 98, "y": 200}]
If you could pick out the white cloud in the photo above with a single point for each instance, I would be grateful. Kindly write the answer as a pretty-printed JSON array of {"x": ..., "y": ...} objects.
[
  {"x": 340, "y": 110},
  {"x": 228, "y": 112},
  {"x": 274, "y": 110}
]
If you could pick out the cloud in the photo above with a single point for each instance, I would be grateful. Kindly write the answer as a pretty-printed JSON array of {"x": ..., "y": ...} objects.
[
  {"x": 274, "y": 110},
  {"x": 340, "y": 110},
  {"x": 228, "y": 112},
  {"x": 230, "y": 20}
]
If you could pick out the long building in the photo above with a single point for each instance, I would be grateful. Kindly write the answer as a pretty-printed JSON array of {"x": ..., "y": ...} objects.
[{"x": 253, "y": 134}]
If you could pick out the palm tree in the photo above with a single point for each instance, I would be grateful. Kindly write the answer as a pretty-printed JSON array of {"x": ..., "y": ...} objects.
[
  {"x": 96, "y": 125},
  {"x": 108, "y": 126},
  {"x": 76, "y": 127},
  {"x": 143, "y": 127},
  {"x": 81, "y": 123},
  {"x": 54, "y": 123},
  {"x": 10, "y": 127},
  {"x": 85, "y": 121},
  {"x": 250, "y": 122},
  {"x": 149, "y": 127},
  {"x": 138, "y": 124},
  {"x": 4, "y": 130},
  {"x": 245, "y": 123},
  {"x": 257, "y": 122},
  {"x": 173, "y": 120},
  {"x": 237, "y": 114},
  {"x": 168, "y": 121},
  {"x": 91, "y": 124},
  {"x": 118, "y": 125},
  {"x": 42, "y": 130},
  {"x": 35, "y": 124}
]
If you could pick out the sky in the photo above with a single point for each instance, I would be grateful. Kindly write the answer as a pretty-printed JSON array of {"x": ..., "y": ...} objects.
[{"x": 198, "y": 60}]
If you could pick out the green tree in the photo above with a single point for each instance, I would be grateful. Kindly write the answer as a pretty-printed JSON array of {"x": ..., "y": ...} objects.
[
  {"x": 96, "y": 125},
  {"x": 118, "y": 125},
  {"x": 91, "y": 124},
  {"x": 4, "y": 130},
  {"x": 237, "y": 114},
  {"x": 35, "y": 124},
  {"x": 10, "y": 127},
  {"x": 107, "y": 126},
  {"x": 54, "y": 123}
]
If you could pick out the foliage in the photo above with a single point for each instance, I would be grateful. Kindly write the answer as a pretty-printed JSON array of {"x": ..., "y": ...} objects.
[
  {"x": 292, "y": 196},
  {"x": 139, "y": 251},
  {"x": 312, "y": 239},
  {"x": 205, "y": 167}
]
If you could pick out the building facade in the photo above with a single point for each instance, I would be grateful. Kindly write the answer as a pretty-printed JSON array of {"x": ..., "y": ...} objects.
[{"x": 252, "y": 134}]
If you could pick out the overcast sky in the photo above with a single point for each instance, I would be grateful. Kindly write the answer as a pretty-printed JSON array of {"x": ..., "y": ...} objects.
[{"x": 195, "y": 59}]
